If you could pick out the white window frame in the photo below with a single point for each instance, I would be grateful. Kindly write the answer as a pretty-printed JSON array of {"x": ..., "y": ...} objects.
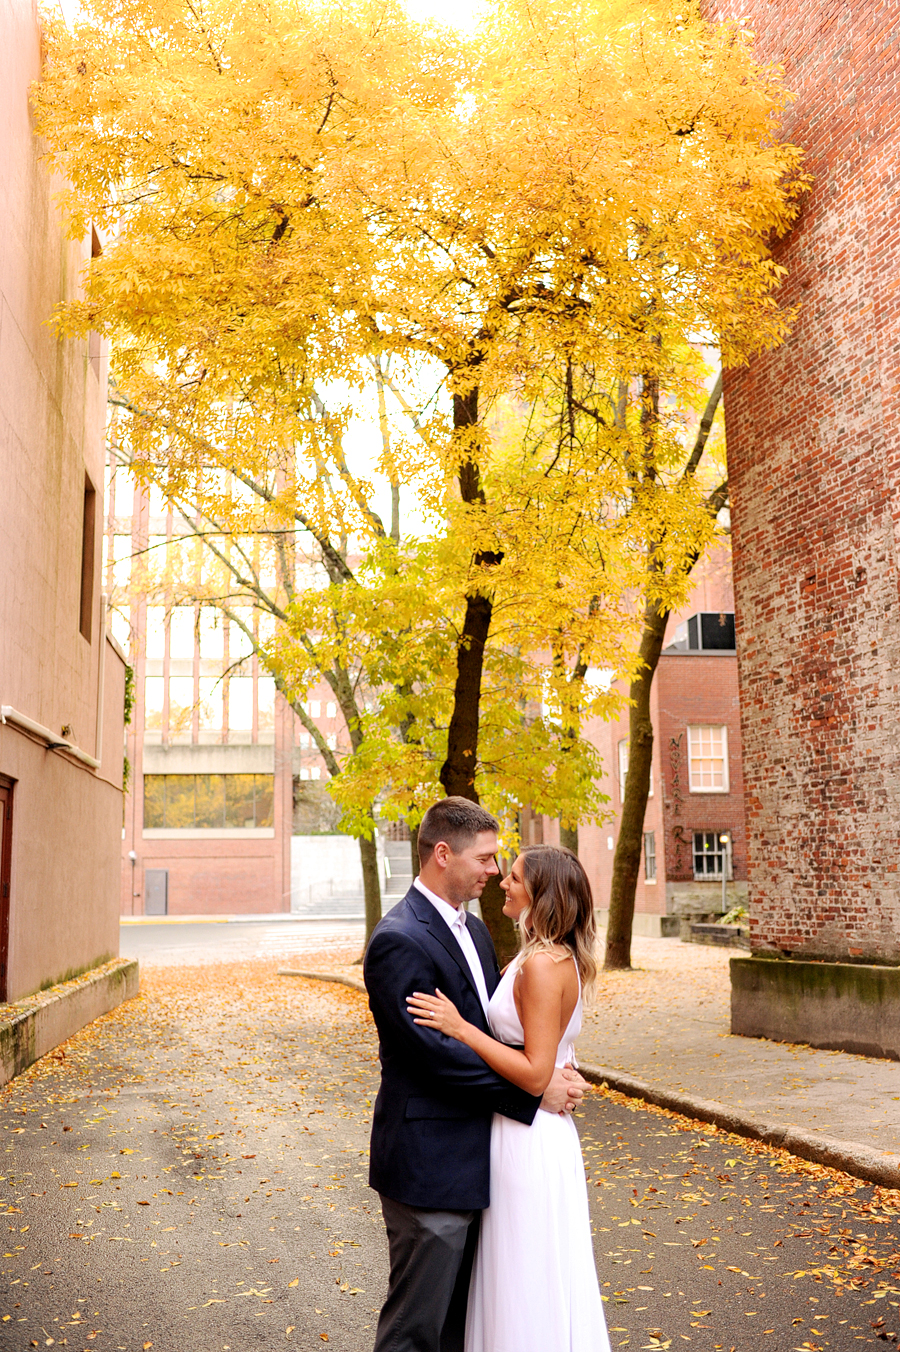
[
  {"x": 652, "y": 837},
  {"x": 622, "y": 752},
  {"x": 693, "y": 730}
]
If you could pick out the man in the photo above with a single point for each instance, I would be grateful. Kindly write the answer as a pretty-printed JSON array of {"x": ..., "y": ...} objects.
[{"x": 431, "y": 1131}]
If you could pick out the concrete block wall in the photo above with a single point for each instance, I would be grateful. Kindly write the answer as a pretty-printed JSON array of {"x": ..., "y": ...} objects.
[{"x": 814, "y": 464}]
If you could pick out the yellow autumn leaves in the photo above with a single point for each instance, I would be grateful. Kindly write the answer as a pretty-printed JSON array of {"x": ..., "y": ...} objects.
[{"x": 515, "y": 243}]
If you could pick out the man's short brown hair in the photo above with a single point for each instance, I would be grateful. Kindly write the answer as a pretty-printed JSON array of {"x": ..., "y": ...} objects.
[{"x": 455, "y": 821}]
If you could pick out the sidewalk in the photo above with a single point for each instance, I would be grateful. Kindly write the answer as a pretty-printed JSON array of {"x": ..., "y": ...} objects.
[{"x": 666, "y": 1023}]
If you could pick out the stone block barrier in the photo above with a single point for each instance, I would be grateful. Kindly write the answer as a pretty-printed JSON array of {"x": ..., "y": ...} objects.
[
  {"x": 32, "y": 1027},
  {"x": 838, "y": 1006}
]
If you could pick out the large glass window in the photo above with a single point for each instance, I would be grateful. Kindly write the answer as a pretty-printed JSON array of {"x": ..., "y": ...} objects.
[
  {"x": 181, "y": 703},
  {"x": 156, "y": 633},
  {"x": 211, "y": 692},
  {"x": 265, "y": 687},
  {"x": 154, "y": 691},
  {"x": 203, "y": 801},
  {"x": 181, "y": 634},
  {"x": 240, "y": 703},
  {"x": 708, "y": 759}
]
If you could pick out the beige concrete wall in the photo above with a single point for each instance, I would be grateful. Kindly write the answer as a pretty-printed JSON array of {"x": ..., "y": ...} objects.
[{"x": 67, "y": 817}]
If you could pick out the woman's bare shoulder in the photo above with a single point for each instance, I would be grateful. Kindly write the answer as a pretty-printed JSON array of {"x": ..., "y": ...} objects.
[{"x": 546, "y": 966}]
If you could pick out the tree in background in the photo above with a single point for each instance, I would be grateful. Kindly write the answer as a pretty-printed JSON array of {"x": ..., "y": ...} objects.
[{"x": 289, "y": 199}]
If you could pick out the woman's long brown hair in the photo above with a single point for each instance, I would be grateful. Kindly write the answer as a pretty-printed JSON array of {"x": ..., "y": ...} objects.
[{"x": 560, "y": 907}]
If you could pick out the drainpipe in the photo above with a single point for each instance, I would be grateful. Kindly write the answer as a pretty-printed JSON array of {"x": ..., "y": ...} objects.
[{"x": 101, "y": 680}]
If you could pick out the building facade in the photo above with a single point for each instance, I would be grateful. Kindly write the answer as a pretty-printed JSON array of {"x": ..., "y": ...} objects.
[
  {"x": 814, "y": 462},
  {"x": 226, "y": 811},
  {"x": 694, "y": 858},
  {"x": 62, "y": 677}
]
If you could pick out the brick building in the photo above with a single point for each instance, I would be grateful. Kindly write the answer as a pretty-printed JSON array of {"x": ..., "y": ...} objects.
[
  {"x": 697, "y": 789},
  {"x": 814, "y": 465}
]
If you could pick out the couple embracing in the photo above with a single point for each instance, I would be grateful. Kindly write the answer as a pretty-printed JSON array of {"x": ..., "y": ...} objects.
[{"x": 474, "y": 1151}]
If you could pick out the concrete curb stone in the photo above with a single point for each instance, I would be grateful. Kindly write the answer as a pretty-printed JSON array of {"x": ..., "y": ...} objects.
[
  {"x": 324, "y": 976},
  {"x": 32, "y": 1027},
  {"x": 860, "y": 1161}
]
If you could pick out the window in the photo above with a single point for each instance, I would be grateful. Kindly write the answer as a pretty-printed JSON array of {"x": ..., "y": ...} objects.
[
  {"x": 623, "y": 770},
  {"x": 210, "y": 630},
  {"x": 122, "y": 554},
  {"x": 265, "y": 688},
  {"x": 240, "y": 643},
  {"x": 211, "y": 703},
  {"x": 181, "y": 703},
  {"x": 708, "y": 759},
  {"x": 649, "y": 856},
  {"x": 88, "y": 529},
  {"x": 192, "y": 802},
  {"x": 240, "y": 703},
  {"x": 710, "y": 853},
  {"x": 711, "y": 631},
  {"x": 181, "y": 634},
  {"x": 331, "y": 709},
  {"x": 154, "y": 690},
  {"x": 156, "y": 633}
]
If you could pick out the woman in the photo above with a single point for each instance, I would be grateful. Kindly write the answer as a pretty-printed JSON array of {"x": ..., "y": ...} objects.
[{"x": 534, "y": 1285}]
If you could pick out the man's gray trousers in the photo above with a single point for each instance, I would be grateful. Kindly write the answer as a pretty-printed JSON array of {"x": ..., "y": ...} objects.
[{"x": 431, "y": 1255}]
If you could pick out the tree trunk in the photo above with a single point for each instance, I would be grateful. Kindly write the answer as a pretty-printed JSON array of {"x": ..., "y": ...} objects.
[
  {"x": 501, "y": 928},
  {"x": 458, "y": 770},
  {"x": 368, "y": 854},
  {"x": 568, "y": 836},
  {"x": 627, "y": 858}
]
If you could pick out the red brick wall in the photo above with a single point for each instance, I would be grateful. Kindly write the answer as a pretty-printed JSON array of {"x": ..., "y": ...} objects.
[
  {"x": 814, "y": 459},
  {"x": 693, "y": 689},
  {"x": 216, "y": 877}
]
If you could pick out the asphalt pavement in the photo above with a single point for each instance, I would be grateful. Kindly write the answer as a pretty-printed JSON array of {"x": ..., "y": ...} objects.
[{"x": 188, "y": 1175}]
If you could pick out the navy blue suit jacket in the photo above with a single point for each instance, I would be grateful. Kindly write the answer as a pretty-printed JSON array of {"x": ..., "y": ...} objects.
[{"x": 431, "y": 1131}]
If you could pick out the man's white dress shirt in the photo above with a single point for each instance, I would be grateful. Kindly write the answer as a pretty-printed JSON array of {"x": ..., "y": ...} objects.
[{"x": 455, "y": 920}]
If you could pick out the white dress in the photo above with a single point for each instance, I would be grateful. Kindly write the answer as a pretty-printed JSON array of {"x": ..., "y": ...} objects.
[{"x": 534, "y": 1285}]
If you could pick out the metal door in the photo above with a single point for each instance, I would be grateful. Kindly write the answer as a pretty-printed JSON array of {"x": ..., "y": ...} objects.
[{"x": 156, "y": 891}]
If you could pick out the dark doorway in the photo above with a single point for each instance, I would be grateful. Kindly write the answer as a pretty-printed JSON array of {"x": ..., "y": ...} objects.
[
  {"x": 6, "y": 817},
  {"x": 156, "y": 891}
]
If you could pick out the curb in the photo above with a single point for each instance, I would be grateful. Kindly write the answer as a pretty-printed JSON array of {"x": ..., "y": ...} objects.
[
  {"x": 32, "y": 1027},
  {"x": 324, "y": 976},
  {"x": 861, "y": 1161}
]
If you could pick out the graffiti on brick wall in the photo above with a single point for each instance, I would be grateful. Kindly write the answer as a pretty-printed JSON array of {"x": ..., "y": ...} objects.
[{"x": 675, "y": 758}]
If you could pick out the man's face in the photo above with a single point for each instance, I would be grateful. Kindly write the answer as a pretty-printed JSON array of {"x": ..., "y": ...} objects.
[{"x": 466, "y": 873}]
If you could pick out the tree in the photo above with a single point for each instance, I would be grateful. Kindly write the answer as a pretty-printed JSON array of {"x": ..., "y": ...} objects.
[
  {"x": 627, "y": 857},
  {"x": 288, "y": 199}
]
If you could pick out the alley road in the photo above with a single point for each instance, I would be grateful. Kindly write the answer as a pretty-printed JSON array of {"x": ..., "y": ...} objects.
[{"x": 188, "y": 1175}]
